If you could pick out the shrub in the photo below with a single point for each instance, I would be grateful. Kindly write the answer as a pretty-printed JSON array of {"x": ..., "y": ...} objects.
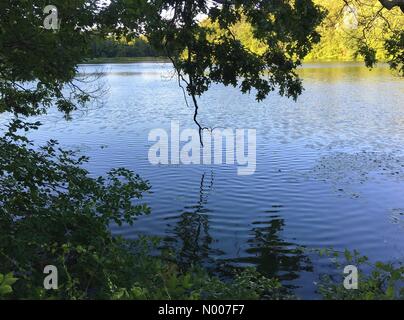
[
  {"x": 53, "y": 213},
  {"x": 377, "y": 281}
]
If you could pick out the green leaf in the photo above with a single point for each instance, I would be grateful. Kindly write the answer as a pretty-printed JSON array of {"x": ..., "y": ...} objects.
[
  {"x": 390, "y": 292},
  {"x": 6, "y": 283}
]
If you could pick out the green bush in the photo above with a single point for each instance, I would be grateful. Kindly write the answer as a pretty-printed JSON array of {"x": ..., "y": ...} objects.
[
  {"x": 6, "y": 282},
  {"x": 53, "y": 213},
  {"x": 377, "y": 281},
  {"x": 156, "y": 278}
]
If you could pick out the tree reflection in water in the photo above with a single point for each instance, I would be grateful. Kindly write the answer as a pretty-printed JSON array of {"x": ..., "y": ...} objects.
[
  {"x": 271, "y": 254},
  {"x": 190, "y": 239}
]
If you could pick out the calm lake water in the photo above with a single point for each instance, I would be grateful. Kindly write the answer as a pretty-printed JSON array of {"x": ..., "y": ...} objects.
[{"x": 330, "y": 168}]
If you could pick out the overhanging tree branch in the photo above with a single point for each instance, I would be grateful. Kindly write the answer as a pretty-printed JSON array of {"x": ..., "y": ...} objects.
[{"x": 390, "y": 4}]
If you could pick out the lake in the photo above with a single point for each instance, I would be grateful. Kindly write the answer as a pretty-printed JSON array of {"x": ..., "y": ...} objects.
[{"x": 330, "y": 167}]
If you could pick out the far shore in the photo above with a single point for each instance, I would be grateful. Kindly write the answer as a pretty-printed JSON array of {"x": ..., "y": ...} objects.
[
  {"x": 306, "y": 63},
  {"x": 126, "y": 60},
  {"x": 122, "y": 60}
]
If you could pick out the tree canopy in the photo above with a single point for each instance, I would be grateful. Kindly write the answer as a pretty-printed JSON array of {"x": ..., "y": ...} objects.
[
  {"x": 283, "y": 31},
  {"x": 357, "y": 29}
]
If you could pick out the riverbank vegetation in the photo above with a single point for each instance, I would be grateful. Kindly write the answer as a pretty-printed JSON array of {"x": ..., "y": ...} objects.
[{"x": 110, "y": 49}]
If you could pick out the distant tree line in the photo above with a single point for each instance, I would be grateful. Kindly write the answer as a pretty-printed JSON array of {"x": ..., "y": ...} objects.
[
  {"x": 110, "y": 48},
  {"x": 350, "y": 31}
]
